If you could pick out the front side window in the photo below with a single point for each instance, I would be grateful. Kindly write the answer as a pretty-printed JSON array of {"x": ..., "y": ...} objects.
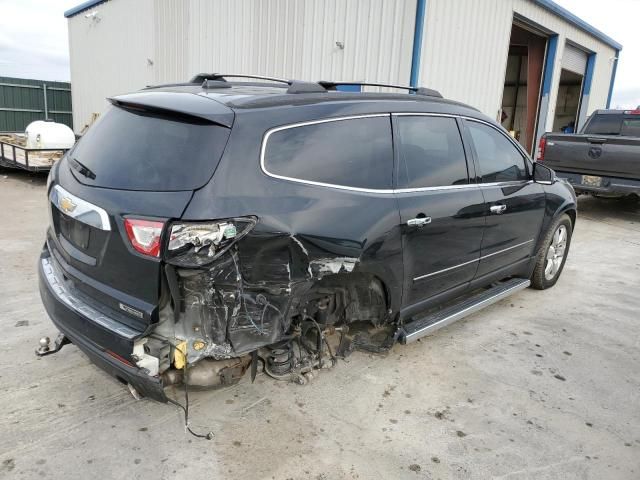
[
  {"x": 352, "y": 153},
  {"x": 498, "y": 158},
  {"x": 430, "y": 152}
]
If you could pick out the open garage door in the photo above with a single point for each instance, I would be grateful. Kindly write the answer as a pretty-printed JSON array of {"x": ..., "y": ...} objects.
[
  {"x": 523, "y": 81},
  {"x": 574, "y": 59},
  {"x": 571, "y": 90},
  {"x": 568, "y": 104}
]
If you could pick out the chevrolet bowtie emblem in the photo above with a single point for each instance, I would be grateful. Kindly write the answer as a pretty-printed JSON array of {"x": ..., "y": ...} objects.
[{"x": 66, "y": 205}]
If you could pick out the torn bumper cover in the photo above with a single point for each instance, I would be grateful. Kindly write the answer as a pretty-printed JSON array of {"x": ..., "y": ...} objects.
[{"x": 88, "y": 329}]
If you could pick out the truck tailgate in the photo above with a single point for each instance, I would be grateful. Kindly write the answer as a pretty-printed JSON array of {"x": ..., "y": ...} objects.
[{"x": 602, "y": 155}]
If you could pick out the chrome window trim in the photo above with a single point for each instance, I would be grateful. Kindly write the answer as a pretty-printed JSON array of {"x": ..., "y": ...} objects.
[
  {"x": 443, "y": 187},
  {"x": 82, "y": 207},
  {"x": 271, "y": 131},
  {"x": 511, "y": 183},
  {"x": 388, "y": 191},
  {"x": 421, "y": 277}
]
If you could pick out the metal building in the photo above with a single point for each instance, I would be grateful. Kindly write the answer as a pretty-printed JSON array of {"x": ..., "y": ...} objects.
[
  {"x": 24, "y": 100},
  {"x": 530, "y": 64}
]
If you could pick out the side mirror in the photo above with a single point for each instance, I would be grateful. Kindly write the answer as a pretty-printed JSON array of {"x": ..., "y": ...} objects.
[{"x": 543, "y": 174}]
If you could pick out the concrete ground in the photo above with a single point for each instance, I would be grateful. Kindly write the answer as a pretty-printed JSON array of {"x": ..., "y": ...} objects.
[{"x": 541, "y": 385}]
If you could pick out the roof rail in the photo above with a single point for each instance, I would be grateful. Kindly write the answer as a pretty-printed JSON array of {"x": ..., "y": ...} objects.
[
  {"x": 218, "y": 80},
  {"x": 417, "y": 90},
  {"x": 298, "y": 86},
  {"x": 221, "y": 77},
  {"x": 207, "y": 84}
]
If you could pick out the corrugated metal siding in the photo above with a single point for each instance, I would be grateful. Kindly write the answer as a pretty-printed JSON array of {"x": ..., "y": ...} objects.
[
  {"x": 285, "y": 38},
  {"x": 464, "y": 50},
  {"x": 22, "y": 102},
  {"x": 171, "y": 45},
  {"x": 465, "y": 47},
  {"x": 109, "y": 54}
]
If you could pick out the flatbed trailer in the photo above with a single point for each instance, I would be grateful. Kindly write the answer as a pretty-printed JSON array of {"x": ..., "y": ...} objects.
[{"x": 15, "y": 154}]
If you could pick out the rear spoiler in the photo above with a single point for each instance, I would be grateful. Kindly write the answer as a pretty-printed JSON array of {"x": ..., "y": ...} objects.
[{"x": 177, "y": 104}]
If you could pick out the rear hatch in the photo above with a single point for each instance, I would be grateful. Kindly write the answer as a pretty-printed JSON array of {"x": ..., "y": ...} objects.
[
  {"x": 608, "y": 146},
  {"x": 141, "y": 161}
]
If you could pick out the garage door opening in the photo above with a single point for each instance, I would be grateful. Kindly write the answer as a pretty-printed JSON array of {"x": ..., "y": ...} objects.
[
  {"x": 568, "y": 105},
  {"x": 523, "y": 80}
]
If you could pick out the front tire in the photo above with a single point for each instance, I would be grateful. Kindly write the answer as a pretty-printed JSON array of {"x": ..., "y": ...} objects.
[{"x": 552, "y": 254}]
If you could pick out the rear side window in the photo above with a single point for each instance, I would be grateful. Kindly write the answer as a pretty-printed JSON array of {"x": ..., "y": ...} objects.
[
  {"x": 630, "y": 127},
  {"x": 498, "y": 158},
  {"x": 136, "y": 151},
  {"x": 606, "y": 124},
  {"x": 430, "y": 152},
  {"x": 351, "y": 153}
]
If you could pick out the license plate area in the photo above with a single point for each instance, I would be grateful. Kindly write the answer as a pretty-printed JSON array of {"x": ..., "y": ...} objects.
[
  {"x": 591, "y": 180},
  {"x": 76, "y": 232}
]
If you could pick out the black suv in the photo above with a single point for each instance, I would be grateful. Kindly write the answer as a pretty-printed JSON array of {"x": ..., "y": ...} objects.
[{"x": 202, "y": 229}]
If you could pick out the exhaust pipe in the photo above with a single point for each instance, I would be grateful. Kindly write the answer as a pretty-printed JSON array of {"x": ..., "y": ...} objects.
[{"x": 209, "y": 373}]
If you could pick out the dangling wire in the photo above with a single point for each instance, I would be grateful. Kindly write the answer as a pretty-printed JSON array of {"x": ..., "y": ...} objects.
[{"x": 185, "y": 407}]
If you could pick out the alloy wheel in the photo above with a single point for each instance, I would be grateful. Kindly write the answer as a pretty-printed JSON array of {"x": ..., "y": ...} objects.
[{"x": 556, "y": 252}]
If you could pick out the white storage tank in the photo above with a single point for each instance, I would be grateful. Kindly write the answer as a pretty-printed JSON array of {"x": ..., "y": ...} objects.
[{"x": 43, "y": 134}]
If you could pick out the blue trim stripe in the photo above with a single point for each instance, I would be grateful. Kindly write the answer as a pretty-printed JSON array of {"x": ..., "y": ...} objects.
[
  {"x": 565, "y": 14},
  {"x": 82, "y": 7},
  {"x": 349, "y": 88},
  {"x": 588, "y": 76},
  {"x": 613, "y": 78},
  {"x": 586, "y": 90},
  {"x": 421, "y": 8},
  {"x": 547, "y": 80},
  {"x": 550, "y": 62}
]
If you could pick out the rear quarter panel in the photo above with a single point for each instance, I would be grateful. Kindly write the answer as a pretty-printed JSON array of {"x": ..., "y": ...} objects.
[
  {"x": 560, "y": 199},
  {"x": 304, "y": 232}
]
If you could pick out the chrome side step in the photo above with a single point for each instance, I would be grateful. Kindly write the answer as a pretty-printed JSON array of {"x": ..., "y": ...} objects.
[{"x": 422, "y": 326}]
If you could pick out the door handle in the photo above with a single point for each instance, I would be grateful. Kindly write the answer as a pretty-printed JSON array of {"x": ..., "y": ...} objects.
[
  {"x": 498, "y": 209},
  {"x": 596, "y": 140},
  {"x": 418, "y": 221}
]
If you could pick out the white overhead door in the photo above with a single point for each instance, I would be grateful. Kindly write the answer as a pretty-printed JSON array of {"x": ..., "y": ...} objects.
[{"x": 574, "y": 59}]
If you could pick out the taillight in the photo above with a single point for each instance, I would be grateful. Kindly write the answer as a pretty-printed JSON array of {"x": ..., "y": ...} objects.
[
  {"x": 195, "y": 244},
  {"x": 144, "y": 235},
  {"x": 541, "y": 148}
]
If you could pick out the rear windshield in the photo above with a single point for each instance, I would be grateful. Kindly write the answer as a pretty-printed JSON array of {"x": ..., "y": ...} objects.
[
  {"x": 133, "y": 150},
  {"x": 604, "y": 125}
]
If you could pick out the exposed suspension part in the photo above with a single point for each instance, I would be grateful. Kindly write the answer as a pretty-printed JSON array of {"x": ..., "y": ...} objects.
[{"x": 280, "y": 360}]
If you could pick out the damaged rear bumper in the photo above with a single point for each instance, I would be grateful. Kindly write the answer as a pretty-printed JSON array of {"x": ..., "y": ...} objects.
[{"x": 80, "y": 325}]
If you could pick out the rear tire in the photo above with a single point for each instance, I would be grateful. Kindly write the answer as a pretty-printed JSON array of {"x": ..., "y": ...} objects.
[{"x": 552, "y": 255}]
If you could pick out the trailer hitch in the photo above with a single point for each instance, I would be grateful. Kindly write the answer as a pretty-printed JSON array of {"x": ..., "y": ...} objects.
[{"x": 45, "y": 349}]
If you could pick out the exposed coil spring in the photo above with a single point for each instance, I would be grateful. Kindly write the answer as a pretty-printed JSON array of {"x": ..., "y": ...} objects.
[{"x": 280, "y": 359}]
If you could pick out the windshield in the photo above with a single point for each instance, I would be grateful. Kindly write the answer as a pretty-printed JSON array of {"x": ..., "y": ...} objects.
[{"x": 135, "y": 150}]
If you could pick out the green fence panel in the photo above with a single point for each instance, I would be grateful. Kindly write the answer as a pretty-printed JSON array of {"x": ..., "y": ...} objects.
[{"x": 22, "y": 101}]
